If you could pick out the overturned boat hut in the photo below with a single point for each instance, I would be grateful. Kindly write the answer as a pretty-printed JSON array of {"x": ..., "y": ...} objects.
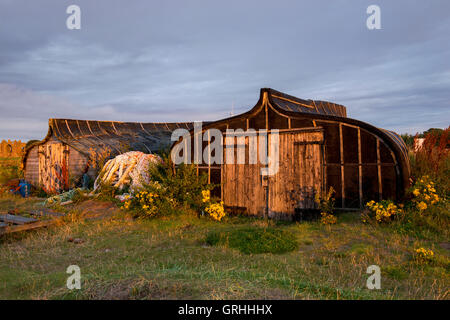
[
  {"x": 66, "y": 153},
  {"x": 319, "y": 147}
]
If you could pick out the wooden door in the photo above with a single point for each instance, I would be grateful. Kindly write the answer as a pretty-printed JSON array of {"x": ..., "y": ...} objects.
[
  {"x": 300, "y": 173},
  {"x": 53, "y": 167},
  {"x": 298, "y": 178},
  {"x": 242, "y": 189}
]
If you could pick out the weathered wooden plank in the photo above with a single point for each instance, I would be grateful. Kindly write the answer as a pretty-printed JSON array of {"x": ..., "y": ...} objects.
[
  {"x": 24, "y": 227},
  {"x": 252, "y": 178},
  {"x": 16, "y": 219},
  {"x": 261, "y": 206},
  {"x": 285, "y": 154},
  {"x": 276, "y": 200},
  {"x": 318, "y": 174},
  {"x": 247, "y": 187},
  {"x": 46, "y": 212},
  {"x": 32, "y": 167},
  {"x": 293, "y": 164}
]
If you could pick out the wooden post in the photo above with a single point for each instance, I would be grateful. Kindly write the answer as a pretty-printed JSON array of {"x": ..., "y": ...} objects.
[
  {"x": 360, "y": 169},
  {"x": 223, "y": 172},
  {"x": 209, "y": 157},
  {"x": 185, "y": 152},
  {"x": 195, "y": 139},
  {"x": 341, "y": 144},
  {"x": 221, "y": 168},
  {"x": 380, "y": 184},
  {"x": 266, "y": 187},
  {"x": 324, "y": 168}
]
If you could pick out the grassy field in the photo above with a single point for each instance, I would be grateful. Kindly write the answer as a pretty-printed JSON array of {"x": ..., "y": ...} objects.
[{"x": 169, "y": 258}]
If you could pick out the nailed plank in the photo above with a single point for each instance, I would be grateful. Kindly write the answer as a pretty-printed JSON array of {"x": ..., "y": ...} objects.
[
  {"x": 29, "y": 226},
  {"x": 46, "y": 212},
  {"x": 2, "y": 224},
  {"x": 16, "y": 219}
]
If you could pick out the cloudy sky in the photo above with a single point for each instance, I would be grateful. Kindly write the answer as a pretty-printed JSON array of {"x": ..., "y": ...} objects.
[{"x": 191, "y": 60}]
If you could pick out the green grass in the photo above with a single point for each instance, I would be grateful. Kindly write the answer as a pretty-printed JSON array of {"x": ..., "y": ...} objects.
[
  {"x": 255, "y": 240},
  {"x": 170, "y": 258}
]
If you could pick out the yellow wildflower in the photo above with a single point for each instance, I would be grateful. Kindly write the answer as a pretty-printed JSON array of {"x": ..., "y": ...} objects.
[
  {"x": 206, "y": 194},
  {"x": 424, "y": 255},
  {"x": 216, "y": 211},
  {"x": 422, "y": 206},
  {"x": 328, "y": 218}
]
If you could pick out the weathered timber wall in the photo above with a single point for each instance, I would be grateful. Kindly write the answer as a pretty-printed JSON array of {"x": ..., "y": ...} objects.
[{"x": 32, "y": 167}]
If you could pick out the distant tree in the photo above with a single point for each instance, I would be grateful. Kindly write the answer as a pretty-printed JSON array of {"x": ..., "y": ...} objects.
[
  {"x": 436, "y": 134},
  {"x": 408, "y": 139}
]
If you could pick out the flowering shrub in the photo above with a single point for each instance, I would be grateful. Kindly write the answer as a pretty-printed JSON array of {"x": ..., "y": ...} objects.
[
  {"x": 171, "y": 190},
  {"x": 383, "y": 211},
  {"x": 424, "y": 193},
  {"x": 326, "y": 206},
  {"x": 423, "y": 255},
  {"x": 216, "y": 211},
  {"x": 180, "y": 183},
  {"x": 327, "y": 218},
  {"x": 147, "y": 204}
]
